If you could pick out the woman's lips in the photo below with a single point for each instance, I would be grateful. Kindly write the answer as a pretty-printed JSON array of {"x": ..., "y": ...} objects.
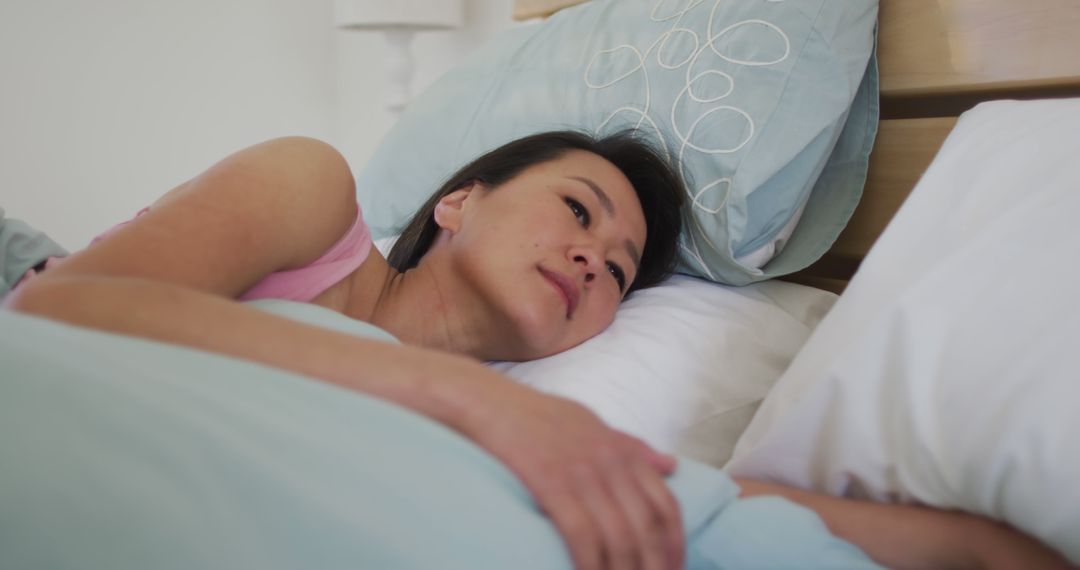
[{"x": 565, "y": 286}]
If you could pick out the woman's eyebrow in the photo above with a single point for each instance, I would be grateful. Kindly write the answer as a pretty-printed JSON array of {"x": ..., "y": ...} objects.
[
  {"x": 609, "y": 207},
  {"x": 634, "y": 255},
  {"x": 602, "y": 196}
]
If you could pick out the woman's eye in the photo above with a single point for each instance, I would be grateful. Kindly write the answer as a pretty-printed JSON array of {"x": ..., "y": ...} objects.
[
  {"x": 618, "y": 274},
  {"x": 579, "y": 211}
]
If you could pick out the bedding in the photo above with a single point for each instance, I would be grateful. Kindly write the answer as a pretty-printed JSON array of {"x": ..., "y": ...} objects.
[
  {"x": 907, "y": 391},
  {"x": 127, "y": 453},
  {"x": 21, "y": 248},
  {"x": 946, "y": 374},
  {"x": 769, "y": 109}
]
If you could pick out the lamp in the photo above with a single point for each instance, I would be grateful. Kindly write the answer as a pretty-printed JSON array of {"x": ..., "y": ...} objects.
[{"x": 398, "y": 20}]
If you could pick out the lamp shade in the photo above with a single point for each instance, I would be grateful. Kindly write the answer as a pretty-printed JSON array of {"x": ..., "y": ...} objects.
[{"x": 398, "y": 14}]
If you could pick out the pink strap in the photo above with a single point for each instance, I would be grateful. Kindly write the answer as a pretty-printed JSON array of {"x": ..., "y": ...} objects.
[{"x": 306, "y": 283}]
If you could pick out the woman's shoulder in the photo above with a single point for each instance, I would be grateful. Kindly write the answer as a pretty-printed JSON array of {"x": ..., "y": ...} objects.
[
  {"x": 297, "y": 192},
  {"x": 272, "y": 207}
]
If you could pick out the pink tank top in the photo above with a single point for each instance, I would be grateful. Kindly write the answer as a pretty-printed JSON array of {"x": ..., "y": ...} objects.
[
  {"x": 307, "y": 282},
  {"x": 300, "y": 284}
]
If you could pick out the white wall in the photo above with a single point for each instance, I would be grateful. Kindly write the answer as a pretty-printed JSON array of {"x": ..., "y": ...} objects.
[
  {"x": 105, "y": 105},
  {"x": 362, "y": 117}
]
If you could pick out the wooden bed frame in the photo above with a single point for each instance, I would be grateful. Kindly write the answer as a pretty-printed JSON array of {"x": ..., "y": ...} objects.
[{"x": 937, "y": 59}]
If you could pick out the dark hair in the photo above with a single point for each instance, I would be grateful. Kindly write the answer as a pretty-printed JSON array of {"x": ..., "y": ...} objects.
[{"x": 659, "y": 188}]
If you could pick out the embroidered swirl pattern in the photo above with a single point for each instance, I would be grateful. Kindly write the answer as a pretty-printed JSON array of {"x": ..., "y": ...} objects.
[{"x": 699, "y": 119}]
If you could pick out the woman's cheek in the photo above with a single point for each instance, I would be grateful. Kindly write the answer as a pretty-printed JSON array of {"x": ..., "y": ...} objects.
[{"x": 606, "y": 312}]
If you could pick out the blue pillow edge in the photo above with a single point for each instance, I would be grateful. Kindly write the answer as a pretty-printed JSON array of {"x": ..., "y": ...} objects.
[{"x": 804, "y": 250}]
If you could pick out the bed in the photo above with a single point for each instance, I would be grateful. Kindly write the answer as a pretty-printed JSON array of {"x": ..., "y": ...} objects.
[{"x": 769, "y": 374}]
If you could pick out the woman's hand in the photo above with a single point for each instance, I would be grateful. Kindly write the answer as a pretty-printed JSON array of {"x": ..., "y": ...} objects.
[{"x": 603, "y": 489}]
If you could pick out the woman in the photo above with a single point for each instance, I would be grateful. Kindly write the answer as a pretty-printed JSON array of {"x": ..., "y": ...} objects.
[
  {"x": 527, "y": 251},
  {"x": 523, "y": 253}
]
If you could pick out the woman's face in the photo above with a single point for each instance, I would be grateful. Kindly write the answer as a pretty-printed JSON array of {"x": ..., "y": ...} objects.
[{"x": 549, "y": 254}]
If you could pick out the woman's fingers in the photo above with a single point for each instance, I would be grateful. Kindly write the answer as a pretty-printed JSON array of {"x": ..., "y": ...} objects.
[
  {"x": 666, "y": 508},
  {"x": 637, "y": 518},
  {"x": 616, "y": 515},
  {"x": 662, "y": 462},
  {"x": 599, "y": 492},
  {"x": 649, "y": 533},
  {"x": 577, "y": 528},
  {"x": 602, "y": 489},
  {"x": 660, "y": 497}
]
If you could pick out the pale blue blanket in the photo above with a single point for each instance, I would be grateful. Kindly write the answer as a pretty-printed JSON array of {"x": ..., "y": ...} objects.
[{"x": 120, "y": 453}]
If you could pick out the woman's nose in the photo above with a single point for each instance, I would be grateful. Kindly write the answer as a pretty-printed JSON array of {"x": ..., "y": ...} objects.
[{"x": 588, "y": 259}]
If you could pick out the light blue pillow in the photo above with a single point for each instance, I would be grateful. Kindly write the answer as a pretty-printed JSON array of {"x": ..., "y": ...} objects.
[{"x": 750, "y": 99}]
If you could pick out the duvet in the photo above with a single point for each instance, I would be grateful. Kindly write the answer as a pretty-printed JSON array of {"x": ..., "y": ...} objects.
[{"x": 118, "y": 452}]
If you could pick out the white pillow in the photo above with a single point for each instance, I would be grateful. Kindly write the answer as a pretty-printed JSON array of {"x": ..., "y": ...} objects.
[
  {"x": 949, "y": 371},
  {"x": 685, "y": 364}
]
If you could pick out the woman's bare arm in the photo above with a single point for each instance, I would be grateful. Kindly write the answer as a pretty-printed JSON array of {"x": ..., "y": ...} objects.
[
  {"x": 276, "y": 205},
  {"x": 180, "y": 315},
  {"x": 171, "y": 274},
  {"x": 908, "y": 536}
]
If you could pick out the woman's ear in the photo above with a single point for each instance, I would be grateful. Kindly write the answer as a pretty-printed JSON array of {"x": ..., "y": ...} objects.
[{"x": 451, "y": 208}]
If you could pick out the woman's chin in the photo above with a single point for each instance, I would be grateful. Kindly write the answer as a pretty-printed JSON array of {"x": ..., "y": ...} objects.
[
  {"x": 552, "y": 345},
  {"x": 539, "y": 330},
  {"x": 538, "y": 335}
]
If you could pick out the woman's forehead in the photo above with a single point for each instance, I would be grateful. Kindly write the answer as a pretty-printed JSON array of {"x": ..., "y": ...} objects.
[
  {"x": 604, "y": 173},
  {"x": 596, "y": 172},
  {"x": 585, "y": 162}
]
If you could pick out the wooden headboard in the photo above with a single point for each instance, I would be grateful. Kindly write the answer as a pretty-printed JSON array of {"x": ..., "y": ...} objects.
[{"x": 937, "y": 59}]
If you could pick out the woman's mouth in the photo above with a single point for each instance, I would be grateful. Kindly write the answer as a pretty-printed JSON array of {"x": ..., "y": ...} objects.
[{"x": 565, "y": 286}]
